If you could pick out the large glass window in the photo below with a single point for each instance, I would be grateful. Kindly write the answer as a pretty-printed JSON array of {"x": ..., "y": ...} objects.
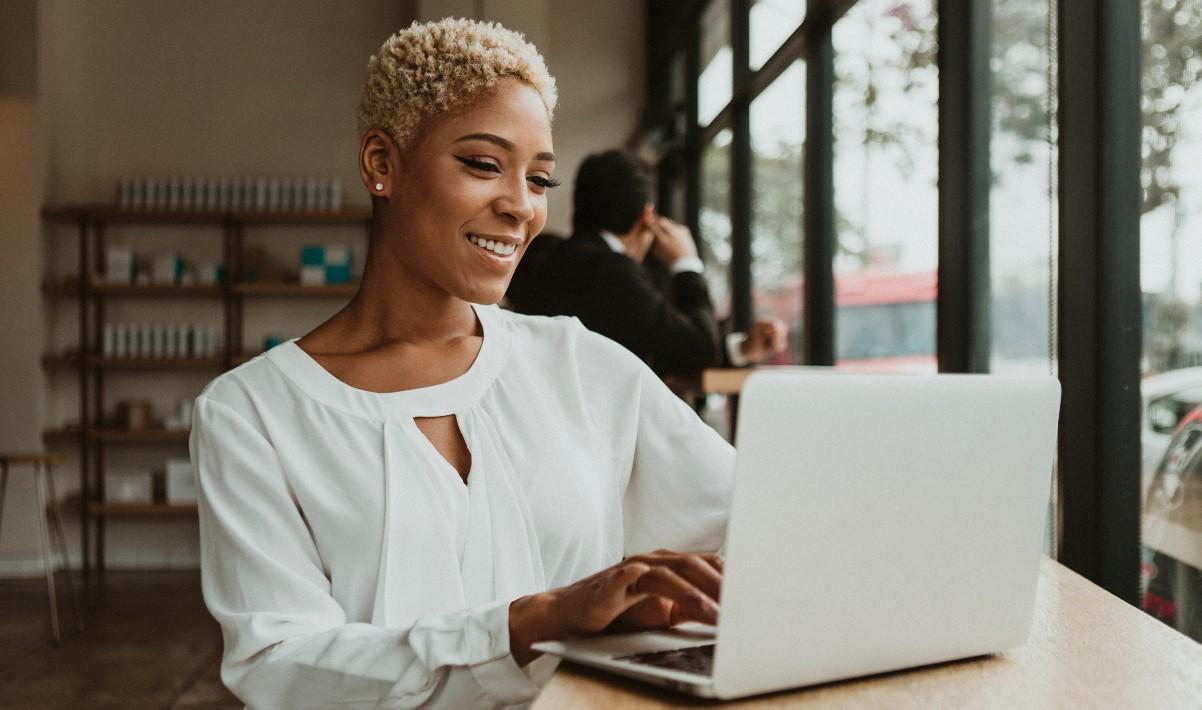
[
  {"x": 886, "y": 198},
  {"x": 715, "y": 219},
  {"x": 714, "y": 84},
  {"x": 1023, "y": 207},
  {"x": 772, "y": 21},
  {"x": 777, "y": 137},
  {"x": 1171, "y": 280}
]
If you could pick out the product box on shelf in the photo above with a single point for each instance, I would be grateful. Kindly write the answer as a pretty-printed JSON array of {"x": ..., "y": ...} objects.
[
  {"x": 325, "y": 264},
  {"x": 181, "y": 484},
  {"x": 127, "y": 486},
  {"x": 135, "y": 414},
  {"x": 210, "y": 273},
  {"x": 166, "y": 268},
  {"x": 119, "y": 264}
]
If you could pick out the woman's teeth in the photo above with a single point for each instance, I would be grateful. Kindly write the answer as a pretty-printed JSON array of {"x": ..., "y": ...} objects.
[{"x": 498, "y": 248}]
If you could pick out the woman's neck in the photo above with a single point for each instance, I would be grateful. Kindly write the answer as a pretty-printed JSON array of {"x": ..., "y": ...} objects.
[{"x": 394, "y": 306}]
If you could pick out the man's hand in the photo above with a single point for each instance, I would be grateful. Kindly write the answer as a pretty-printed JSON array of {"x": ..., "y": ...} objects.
[
  {"x": 672, "y": 240},
  {"x": 767, "y": 336}
]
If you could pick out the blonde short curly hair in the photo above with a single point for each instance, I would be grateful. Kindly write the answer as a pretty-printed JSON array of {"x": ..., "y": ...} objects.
[{"x": 432, "y": 68}]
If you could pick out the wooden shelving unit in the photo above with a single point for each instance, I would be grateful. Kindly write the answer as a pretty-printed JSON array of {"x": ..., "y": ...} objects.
[
  {"x": 72, "y": 359},
  {"x": 289, "y": 290},
  {"x": 92, "y": 221},
  {"x": 72, "y": 505},
  {"x": 141, "y": 509},
  {"x": 69, "y": 286},
  {"x": 120, "y": 436}
]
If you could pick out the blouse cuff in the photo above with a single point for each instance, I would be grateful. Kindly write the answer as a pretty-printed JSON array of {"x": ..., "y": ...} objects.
[{"x": 501, "y": 677}]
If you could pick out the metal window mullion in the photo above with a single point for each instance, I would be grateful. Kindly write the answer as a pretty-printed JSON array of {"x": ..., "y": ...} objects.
[
  {"x": 692, "y": 149},
  {"x": 818, "y": 295},
  {"x": 1099, "y": 337},
  {"x": 962, "y": 320},
  {"x": 740, "y": 169}
]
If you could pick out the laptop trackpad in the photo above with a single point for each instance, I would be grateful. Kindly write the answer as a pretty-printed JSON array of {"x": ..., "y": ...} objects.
[{"x": 681, "y": 636}]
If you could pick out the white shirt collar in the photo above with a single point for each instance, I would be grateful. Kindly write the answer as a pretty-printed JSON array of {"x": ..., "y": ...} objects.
[{"x": 614, "y": 243}]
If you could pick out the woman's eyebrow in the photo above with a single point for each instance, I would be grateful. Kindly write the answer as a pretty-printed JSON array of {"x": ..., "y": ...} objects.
[{"x": 502, "y": 143}]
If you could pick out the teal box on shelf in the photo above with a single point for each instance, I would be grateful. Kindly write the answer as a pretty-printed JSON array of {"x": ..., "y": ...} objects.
[
  {"x": 313, "y": 255},
  {"x": 324, "y": 264},
  {"x": 338, "y": 274}
]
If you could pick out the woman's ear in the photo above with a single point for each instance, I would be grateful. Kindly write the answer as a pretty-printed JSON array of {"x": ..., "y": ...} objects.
[{"x": 376, "y": 153}]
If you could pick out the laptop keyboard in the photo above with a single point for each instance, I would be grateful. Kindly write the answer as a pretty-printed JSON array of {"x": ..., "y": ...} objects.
[{"x": 694, "y": 659}]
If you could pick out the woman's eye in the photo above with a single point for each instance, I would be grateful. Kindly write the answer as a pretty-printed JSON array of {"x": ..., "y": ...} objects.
[
  {"x": 543, "y": 182},
  {"x": 479, "y": 164}
]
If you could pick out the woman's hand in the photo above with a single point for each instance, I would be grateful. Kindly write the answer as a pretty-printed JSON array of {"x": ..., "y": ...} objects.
[{"x": 651, "y": 591}]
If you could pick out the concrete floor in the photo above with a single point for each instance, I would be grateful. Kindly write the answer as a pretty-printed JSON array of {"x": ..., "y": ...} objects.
[{"x": 148, "y": 642}]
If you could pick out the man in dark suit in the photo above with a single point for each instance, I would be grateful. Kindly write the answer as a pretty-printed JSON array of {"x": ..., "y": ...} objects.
[{"x": 598, "y": 275}]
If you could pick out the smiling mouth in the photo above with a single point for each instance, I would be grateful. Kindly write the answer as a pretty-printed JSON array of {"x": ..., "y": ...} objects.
[{"x": 497, "y": 248}]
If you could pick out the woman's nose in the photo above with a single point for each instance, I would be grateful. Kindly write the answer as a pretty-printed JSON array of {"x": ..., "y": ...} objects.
[{"x": 515, "y": 202}]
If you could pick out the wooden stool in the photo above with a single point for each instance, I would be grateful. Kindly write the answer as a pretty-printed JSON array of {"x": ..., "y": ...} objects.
[{"x": 43, "y": 481}]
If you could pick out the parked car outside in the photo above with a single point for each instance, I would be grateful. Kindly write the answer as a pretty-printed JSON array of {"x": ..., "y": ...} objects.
[
  {"x": 1167, "y": 398},
  {"x": 1171, "y": 570}
]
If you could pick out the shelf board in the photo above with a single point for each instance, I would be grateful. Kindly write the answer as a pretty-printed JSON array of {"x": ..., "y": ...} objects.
[
  {"x": 293, "y": 290},
  {"x": 113, "y": 214},
  {"x": 145, "y": 436},
  {"x": 61, "y": 287},
  {"x": 142, "y": 509},
  {"x": 158, "y": 363},
  {"x": 121, "y": 436},
  {"x": 71, "y": 359},
  {"x": 347, "y": 215},
  {"x": 63, "y": 213},
  {"x": 70, "y": 287},
  {"x": 156, "y": 290},
  {"x": 61, "y": 433}
]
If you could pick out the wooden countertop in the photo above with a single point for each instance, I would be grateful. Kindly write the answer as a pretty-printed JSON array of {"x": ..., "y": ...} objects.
[{"x": 1087, "y": 649}]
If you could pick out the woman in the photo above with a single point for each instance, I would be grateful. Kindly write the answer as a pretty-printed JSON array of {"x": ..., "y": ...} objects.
[{"x": 395, "y": 506}]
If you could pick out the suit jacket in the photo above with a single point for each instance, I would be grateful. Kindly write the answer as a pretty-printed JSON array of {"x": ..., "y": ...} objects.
[{"x": 673, "y": 330}]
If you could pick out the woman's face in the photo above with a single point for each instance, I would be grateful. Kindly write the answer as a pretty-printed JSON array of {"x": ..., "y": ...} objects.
[{"x": 471, "y": 194}]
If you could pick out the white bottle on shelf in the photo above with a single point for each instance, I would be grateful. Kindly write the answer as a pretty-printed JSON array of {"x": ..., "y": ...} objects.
[
  {"x": 120, "y": 340},
  {"x": 145, "y": 344},
  {"x": 158, "y": 340},
  {"x": 213, "y": 338},
  {"x": 335, "y": 195},
  {"x": 169, "y": 340}
]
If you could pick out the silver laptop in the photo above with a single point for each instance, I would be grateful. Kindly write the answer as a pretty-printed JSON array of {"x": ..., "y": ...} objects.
[{"x": 879, "y": 522}]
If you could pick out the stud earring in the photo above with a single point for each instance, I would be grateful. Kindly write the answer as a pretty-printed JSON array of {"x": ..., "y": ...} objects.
[{"x": 379, "y": 186}]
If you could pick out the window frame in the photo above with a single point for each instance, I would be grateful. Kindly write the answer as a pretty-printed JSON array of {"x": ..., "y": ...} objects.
[{"x": 1099, "y": 314}]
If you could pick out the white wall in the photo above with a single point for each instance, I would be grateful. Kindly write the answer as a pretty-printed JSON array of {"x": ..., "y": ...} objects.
[
  {"x": 22, "y": 392},
  {"x": 224, "y": 87}
]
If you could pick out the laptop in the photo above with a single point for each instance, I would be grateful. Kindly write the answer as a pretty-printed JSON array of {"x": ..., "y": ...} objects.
[{"x": 879, "y": 522}]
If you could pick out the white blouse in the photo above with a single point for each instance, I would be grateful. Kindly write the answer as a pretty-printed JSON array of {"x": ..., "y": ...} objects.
[{"x": 348, "y": 563}]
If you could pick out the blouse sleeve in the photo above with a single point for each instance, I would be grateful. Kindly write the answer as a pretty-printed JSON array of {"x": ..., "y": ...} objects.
[
  {"x": 681, "y": 475},
  {"x": 288, "y": 643}
]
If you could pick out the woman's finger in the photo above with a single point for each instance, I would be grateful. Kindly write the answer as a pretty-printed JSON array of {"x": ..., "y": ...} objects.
[
  {"x": 620, "y": 583},
  {"x": 697, "y": 570},
  {"x": 691, "y": 604},
  {"x": 593, "y": 603}
]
